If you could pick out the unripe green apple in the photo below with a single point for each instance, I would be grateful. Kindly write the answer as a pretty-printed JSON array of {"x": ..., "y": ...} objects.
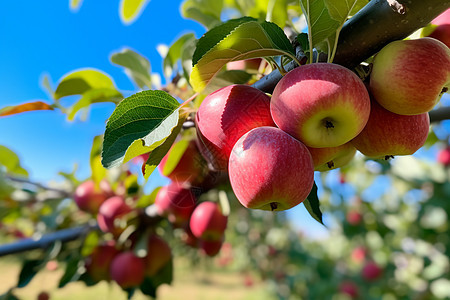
[
  {"x": 207, "y": 221},
  {"x": 89, "y": 196},
  {"x": 158, "y": 255},
  {"x": 225, "y": 115},
  {"x": 270, "y": 170},
  {"x": 99, "y": 261},
  {"x": 330, "y": 158},
  {"x": 409, "y": 76},
  {"x": 388, "y": 134},
  {"x": 112, "y": 209},
  {"x": 321, "y": 104},
  {"x": 127, "y": 270},
  {"x": 175, "y": 202}
]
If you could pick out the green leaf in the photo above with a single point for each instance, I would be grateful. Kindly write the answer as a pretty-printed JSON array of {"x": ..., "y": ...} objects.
[
  {"x": 75, "y": 4},
  {"x": 236, "y": 40},
  {"x": 9, "y": 296},
  {"x": 131, "y": 9},
  {"x": 147, "y": 200},
  {"x": 28, "y": 271},
  {"x": 151, "y": 284},
  {"x": 157, "y": 155},
  {"x": 97, "y": 170},
  {"x": 25, "y": 107},
  {"x": 93, "y": 96},
  {"x": 80, "y": 81},
  {"x": 139, "y": 124},
  {"x": 174, "y": 155},
  {"x": 72, "y": 272},
  {"x": 206, "y": 12},
  {"x": 137, "y": 67},
  {"x": 90, "y": 242},
  {"x": 312, "y": 205},
  {"x": 11, "y": 162},
  {"x": 175, "y": 52}
]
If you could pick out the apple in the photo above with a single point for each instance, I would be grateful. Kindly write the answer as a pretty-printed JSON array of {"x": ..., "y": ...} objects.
[
  {"x": 189, "y": 238},
  {"x": 444, "y": 156},
  {"x": 350, "y": 288},
  {"x": 409, "y": 76},
  {"x": 371, "y": 271},
  {"x": 441, "y": 33},
  {"x": 354, "y": 217},
  {"x": 388, "y": 134},
  {"x": 207, "y": 221},
  {"x": 88, "y": 196},
  {"x": 321, "y": 104},
  {"x": 175, "y": 202},
  {"x": 211, "y": 248},
  {"x": 189, "y": 167},
  {"x": 158, "y": 255},
  {"x": 443, "y": 18},
  {"x": 110, "y": 210},
  {"x": 127, "y": 270},
  {"x": 251, "y": 64},
  {"x": 42, "y": 296},
  {"x": 99, "y": 261},
  {"x": 270, "y": 170},
  {"x": 225, "y": 115},
  {"x": 330, "y": 158}
]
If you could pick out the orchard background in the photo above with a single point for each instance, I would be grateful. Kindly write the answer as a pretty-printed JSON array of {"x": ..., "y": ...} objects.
[{"x": 386, "y": 234}]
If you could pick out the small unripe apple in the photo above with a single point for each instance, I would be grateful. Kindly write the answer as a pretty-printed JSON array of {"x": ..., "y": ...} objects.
[
  {"x": 270, "y": 170},
  {"x": 409, "y": 76},
  {"x": 189, "y": 167},
  {"x": 330, "y": 158},
  {"x": 99, "y": 261},
  {"x": 350, "y": 288},
  {"x": 388, "y": 134},
  {"x": 127, "y": 270},
  {"x": 321, "y": 104},
  {"x": 88, "y": 196},
  {"x": 110, "y": 210},
  {"x": 225, "y": 115},
  {"x": 444, "y": 156},
  {"x": 207, "y": 221},
  {"x": 158, "y": 255},
  {"x": 371, "y": 271},
  {"x": 175, "y": 202}
]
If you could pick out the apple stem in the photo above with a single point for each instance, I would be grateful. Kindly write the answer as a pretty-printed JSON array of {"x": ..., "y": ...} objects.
[{"x": 273, "y": 205}]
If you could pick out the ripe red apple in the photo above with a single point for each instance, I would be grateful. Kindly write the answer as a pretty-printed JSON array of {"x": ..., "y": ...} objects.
[
  {"x": 321, "y": 104},
  {"x": 110, "y": 210},
  {"x": 443, "y": 18},
  {"x": 207, "y": 221},
  {"x": 158, "y": 255},
  {"x": 189, "y": 167},
  {"x": 354, "y": 217},
  {"x": 175, "y": 202},
  {"x": 99, "y": 261},
  {"x": 359, "y": 254},
  {"x": 371, "y": 271},
  {"x": 350, "y": 288},
  {"x": 251, "y": 64},
  {"x": 444, "y": 156},
  {"x": 211, "y": 248},
  {"x": 441, "y": 33},
  {"x": 330, "y": 158},
  {"x": 225, "y": 115},
  {"x": 270, "y": 170},
  {"x": 189, "y": 238},
  {"x": 43, "y": 296},
  {"x": 127, "y": 270},
  {"x": 88, "y": 196},
  {"x": 409, "y": 76},
  {"x": 388, "y": 134}
]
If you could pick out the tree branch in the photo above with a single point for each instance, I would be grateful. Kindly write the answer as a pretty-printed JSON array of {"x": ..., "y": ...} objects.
[{"x": 439, "y": 114}]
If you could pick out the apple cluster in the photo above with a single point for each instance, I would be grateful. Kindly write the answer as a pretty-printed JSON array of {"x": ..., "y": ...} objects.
[{"x": 316, "y": 119}]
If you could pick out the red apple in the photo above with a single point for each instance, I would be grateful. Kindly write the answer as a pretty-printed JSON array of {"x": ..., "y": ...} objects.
[
  {"x": 321, "y": 104},
  {"x": 225, "y": 115},
  {"x": 251, "y": 64},
  {"x": 359, "y": 254},
  {"x": 443, "y": 18},
  {"x": 99, "y": 261},
  {"x": 43, "y": 296},
  {"x": 188, "y": 168},
  {"x": 444, "y": 156},
  {"x": 441, "y": 33},
  {"x": 270, "y": 170},
  {"x": 127, "y": 270},
  {"x": 158, "y": 255},
  {"x": 207, "y": 221},
  {"x": 371, "y": 271},
  {"x": 388, "y": 134},
  {"x": 330, "y": 158},
  {"x": 110, "y": 210},
  {"x": 175, "y": 202},
  {"x": 88, "y": 196},
  {"x": 354, "y": 217},
  {"x": 409, "y": 76},
  {"x": 350, "y": 288},
  {"x": 189, "y": 238},
  {"x": 211, "y": 248}
]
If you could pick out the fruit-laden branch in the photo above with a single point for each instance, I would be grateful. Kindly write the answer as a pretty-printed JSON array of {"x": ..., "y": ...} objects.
[{"x": 377, "y": 24}]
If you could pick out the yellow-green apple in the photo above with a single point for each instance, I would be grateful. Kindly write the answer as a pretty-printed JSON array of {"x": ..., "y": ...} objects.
[
  {"x": 99, "y": 261},
  {"x": 127, "y": 270},
  {"x": 270, "y": 170},
  {"x": 371, "y": 271},
  {"x": 110, "y": 212},
  {"x": 89, "y": 196},
  {"x": 330, "y": 158},
  {"x": 409, "y": 76},
  {"x": 175, "y": 202},
  {"x": 187, "y": 167},
  {"x": 158, "y": 255},
  {"x": 211, "y": 248},
  {"x": 388, "y": 134},
  {"x": 225, "y": 115},
  {"x": 321, "y": 104},
  {"x": 208, "y": 222}
]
